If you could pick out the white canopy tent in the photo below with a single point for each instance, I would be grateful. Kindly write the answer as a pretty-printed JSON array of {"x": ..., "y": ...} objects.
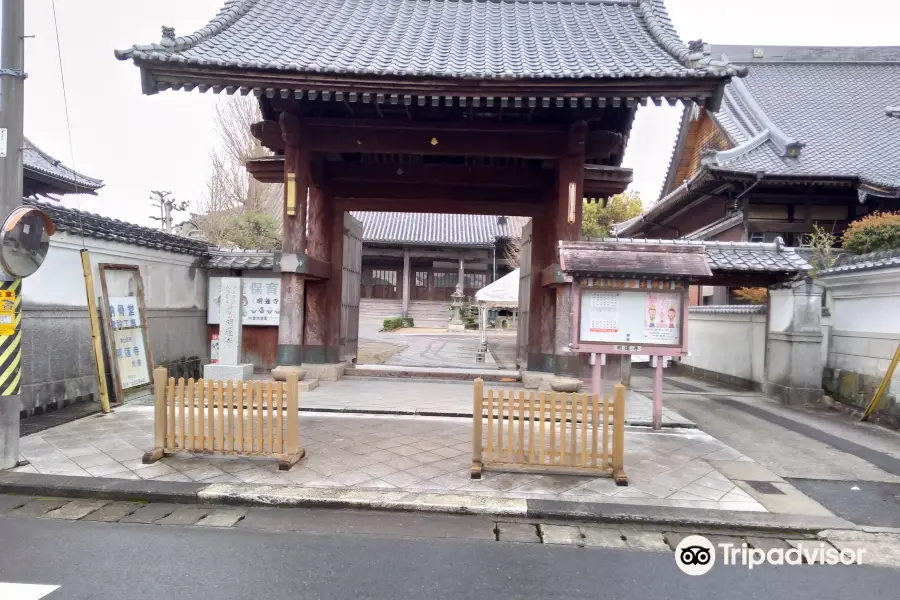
[{"x": 503, "y": 293}]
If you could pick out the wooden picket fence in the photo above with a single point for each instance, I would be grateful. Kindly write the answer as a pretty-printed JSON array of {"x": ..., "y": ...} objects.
[
  {"x": 246, "y": 418},
  {"x": 548, "y": 432}
]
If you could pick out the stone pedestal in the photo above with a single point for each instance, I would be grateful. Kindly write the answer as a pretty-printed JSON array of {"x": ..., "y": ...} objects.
[
  {"x": 325, "y": 371},
  {"x": 228, "y": 372},
  {"x": 281, "y": 372},
  {"x": 794, "y": 361}
]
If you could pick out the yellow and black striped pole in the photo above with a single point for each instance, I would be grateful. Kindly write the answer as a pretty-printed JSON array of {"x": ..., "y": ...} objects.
[
  {"x": 10, "y": 337},
  {"x": 10, "y": 370}
]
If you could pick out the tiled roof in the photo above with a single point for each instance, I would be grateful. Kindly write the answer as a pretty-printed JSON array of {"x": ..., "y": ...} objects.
[
  {"x": 847, "y": 263},
  {"x": 730, "y": 309},
  {"x": 437, "y": 229},
  {"x": 74, "y": 221},
  {"x": 827, "y": 104},
  {"x": 58, "y": 177},
  {"x": 241, "y": 259},
  {"x": 519, "y": 39},
  {"x": 738, "y": 257}
]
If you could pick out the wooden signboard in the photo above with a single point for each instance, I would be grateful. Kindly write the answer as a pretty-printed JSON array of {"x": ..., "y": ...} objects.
[{"x": 125, "y": 327}]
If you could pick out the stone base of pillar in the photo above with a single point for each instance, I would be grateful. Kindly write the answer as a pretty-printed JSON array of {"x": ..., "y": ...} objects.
[
  {"x": 536, "y": 380},
  {"x": 281, "y": 372},
  {"x": 325, "y": 371},
  {"x": 228, "y": 372},
  {"x": 544, "y": 367},
  {"x": 459, "y": 327}
]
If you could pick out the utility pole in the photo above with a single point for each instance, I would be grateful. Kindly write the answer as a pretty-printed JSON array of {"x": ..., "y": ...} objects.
[{"x": 12, "y": 112}]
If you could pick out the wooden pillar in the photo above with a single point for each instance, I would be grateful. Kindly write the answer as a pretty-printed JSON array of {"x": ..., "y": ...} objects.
[
  {"x": 568, "y": 214},
  {"x": 405, "y": 282},
  {"x": 541, "y": 318},
  {"x": 461, "y": 277},
  {"x": 321, "y": 338},
  {"x": 297, "y": 179},
  {"x": 549, "y": 328}
]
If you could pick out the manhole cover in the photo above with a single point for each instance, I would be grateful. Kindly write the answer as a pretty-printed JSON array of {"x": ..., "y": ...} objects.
[{"x": 764, "y": 487}]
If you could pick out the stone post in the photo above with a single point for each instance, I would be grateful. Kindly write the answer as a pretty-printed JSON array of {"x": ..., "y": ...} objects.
[
  {"x": 230, "y": 366},
  {"x": 794, "y": 343}
]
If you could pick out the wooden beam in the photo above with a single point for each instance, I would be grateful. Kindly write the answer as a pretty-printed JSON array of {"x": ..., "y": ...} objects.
[
  {"x": 267, "y": 169},
  {"x": 439, "y": 174},
  {"x": 387, "y": 137},
  {"x": 421, "y": 252},
  {"x": 429, "y": 193},
  {"x": 453, "y": 138},
  {"x": 467, "y": 207},
  {"x": 601, "y": 181}
]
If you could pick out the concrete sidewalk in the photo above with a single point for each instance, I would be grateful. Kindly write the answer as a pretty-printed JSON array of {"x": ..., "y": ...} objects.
[{"x": 368, "y": 456}]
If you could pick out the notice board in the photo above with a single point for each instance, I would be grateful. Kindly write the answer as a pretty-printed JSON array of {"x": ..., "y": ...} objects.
[
  {"x": 633, "y": 314},
  {"x": 125, "y": 325}
]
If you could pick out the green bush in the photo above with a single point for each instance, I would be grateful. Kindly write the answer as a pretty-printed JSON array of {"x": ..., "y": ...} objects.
[
  {"x": 469, "y": 315},
  {"x": 392, "y": 323},
  {"x": 873, "y": 233}
]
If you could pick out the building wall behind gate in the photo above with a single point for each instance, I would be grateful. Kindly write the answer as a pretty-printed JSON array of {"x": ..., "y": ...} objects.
[{"x": 57, "y": 351}]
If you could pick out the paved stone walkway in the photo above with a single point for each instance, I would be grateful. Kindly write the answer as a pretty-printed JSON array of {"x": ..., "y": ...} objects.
[
  {"x": 682, "y": 468},
  {"x": 427, "y": 350}
]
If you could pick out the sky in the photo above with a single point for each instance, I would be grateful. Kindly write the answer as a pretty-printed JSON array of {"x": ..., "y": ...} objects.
[{"x": 138, "y": 143}]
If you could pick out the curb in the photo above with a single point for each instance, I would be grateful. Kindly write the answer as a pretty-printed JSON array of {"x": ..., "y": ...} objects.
[{"x": 66, "y": 486}]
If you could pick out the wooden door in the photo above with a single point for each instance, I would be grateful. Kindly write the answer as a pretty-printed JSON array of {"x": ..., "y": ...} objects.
[
  {"x": 524, "y": 295},
  {"x": 350, "y": 290},
  {"x": 421, "y": 284}
]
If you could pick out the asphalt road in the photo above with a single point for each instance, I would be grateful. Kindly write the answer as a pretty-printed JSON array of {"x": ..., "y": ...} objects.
[{"x": 115, "y": 561}]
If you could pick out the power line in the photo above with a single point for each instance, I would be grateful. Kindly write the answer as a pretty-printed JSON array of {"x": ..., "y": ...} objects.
[{"x": 62, "y": 78}]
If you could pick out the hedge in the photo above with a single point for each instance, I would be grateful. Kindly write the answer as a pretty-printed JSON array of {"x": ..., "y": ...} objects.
[
  {"x": 873, "y": 233},
  {"x": 392, "y": 323}
]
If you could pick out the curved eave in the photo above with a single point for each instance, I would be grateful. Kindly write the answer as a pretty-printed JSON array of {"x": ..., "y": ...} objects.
[
  {"x": 56, "y": 185},
  {"x": 551, "y": 92}
]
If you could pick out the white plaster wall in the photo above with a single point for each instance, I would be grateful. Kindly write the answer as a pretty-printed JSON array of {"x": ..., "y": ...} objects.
[
  {"x": 732, "y": 344},
  {"x": 781, "y": 309},
  {"x": 171, "y": 280},
  {"x": 865, "y": 321}
]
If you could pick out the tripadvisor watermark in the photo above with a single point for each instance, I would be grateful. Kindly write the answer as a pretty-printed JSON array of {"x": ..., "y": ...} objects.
[{"x": 696, "y": 555}]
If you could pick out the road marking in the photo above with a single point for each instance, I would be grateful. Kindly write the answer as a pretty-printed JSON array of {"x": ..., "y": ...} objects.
[{"x": 25, "y": 591}]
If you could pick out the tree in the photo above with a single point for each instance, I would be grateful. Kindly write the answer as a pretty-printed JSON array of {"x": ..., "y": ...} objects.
[
  {"x": 597, "y": 220},
  {"x": 254, "y": 230},
  {"x": 873, "y": 233},
  {"x": 236, "y": 209},
  {"x": 167, "y": 205},
  {"x": 755, "y": 295},
  {"x": 822, "y": 242}
]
